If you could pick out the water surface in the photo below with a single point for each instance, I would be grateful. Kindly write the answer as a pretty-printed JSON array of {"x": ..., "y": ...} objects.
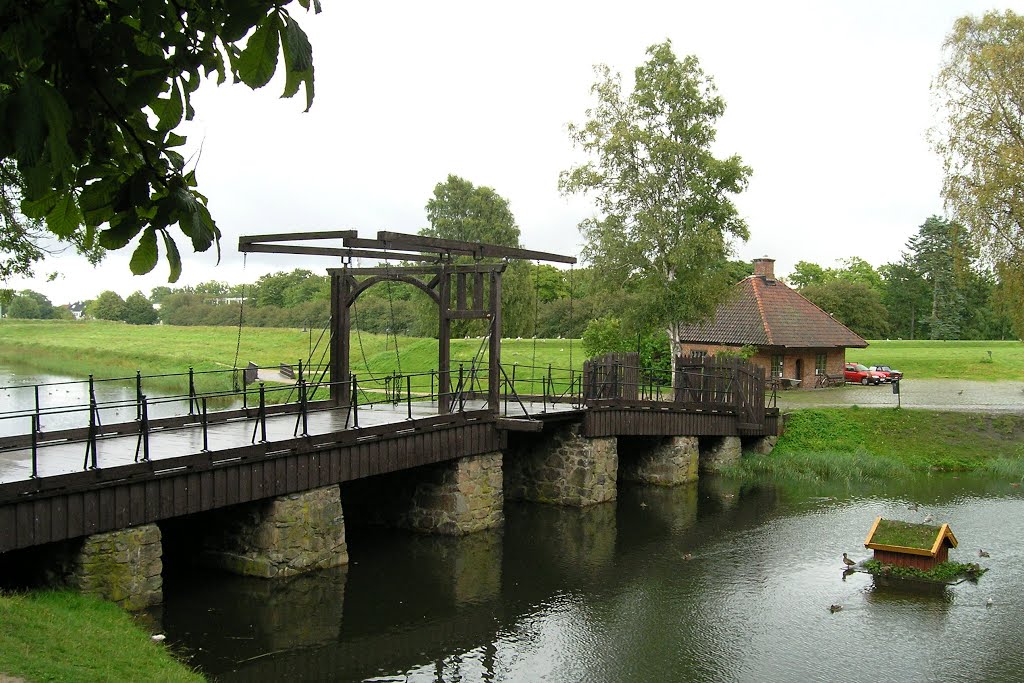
[{"x": 607, "y": 594}]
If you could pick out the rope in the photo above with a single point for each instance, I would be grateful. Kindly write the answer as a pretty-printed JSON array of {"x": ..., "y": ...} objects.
[
  {"x": 241, "y": 314},
  {"x": 536, "y": 325}
]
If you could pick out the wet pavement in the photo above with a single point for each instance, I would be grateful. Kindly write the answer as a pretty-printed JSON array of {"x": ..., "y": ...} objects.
[{"x": 933, "y": 394}]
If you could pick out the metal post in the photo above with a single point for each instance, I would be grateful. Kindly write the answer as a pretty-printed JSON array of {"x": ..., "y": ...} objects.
[
  {"x": 355, "y": 403},
  {"x": 408, "y": 394},
  {"x": 462, "y": 389},
  {"x": 145, "y": 430},
  {"x": 303, "y": 399},
  {"x": 90, "y": 447},
  {"x": 192, "y": 391},
  {"x": 263, "y": 413},
  {"x": 138, "y": 394},
  {"x": 35, "y": 446},
  {"x": 432, "y": 385},
  {"x": 36, "y": 387},
  {"x": 206, "y": 436}
]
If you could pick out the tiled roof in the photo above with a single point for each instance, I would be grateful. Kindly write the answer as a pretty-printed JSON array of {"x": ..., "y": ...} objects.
[{"x": 765, "y": 312}]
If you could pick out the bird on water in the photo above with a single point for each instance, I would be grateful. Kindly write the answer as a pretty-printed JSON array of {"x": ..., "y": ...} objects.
[
  {"x": 847, "y": 561},
  {"x": 983, "y": 553},
  {"x": 834, "y": 608}
]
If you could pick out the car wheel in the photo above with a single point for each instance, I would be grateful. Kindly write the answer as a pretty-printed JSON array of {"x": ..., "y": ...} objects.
[{"x": 864, "y": 381}]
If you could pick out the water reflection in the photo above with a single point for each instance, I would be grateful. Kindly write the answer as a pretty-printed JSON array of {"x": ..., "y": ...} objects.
[{"x": 721, "y": 582}]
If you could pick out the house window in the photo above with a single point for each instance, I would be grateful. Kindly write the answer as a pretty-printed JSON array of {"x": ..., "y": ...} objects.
[
  {"x": 777, "y": 366},
  {"x": 819, "y": 364}
]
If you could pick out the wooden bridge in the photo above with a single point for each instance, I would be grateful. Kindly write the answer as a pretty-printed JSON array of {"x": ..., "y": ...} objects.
[{"x": 330, "y": 427}]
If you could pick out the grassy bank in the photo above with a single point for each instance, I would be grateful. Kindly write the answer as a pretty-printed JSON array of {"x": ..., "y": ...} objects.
[
  {"x": 853, "y": 443},
  {"x": 114, "y": 349},
  {"x": 63, "y": 636}
]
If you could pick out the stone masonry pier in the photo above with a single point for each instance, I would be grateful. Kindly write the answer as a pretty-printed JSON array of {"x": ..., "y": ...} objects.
[{"x": 563, "y": 468}]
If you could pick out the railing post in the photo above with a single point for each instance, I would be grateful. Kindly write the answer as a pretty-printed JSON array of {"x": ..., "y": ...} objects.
[
  {"x": 36, "y": 387},
  {"x": 432, "y": 399},
  {"x": 462, "y": 390},
  {"x": 90, "y": 446},
  {"x": 551, "y": 384},
  {"x": 355, "y": 403},
  {"x": 145, "y": 429},
  {"x": 191, "y": 391},
  {"x": 303, "y": 399},
  {"x": 263, "y": 413},
  {"x": 206, "y": 436},
  {"x": 138, "y": 394},
  {"x": 408, "y": 394},
  {"x": 35, "y": 446}
]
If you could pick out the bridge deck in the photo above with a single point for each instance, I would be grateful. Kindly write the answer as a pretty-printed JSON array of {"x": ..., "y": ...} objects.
[{"x": 65, "y": 457}]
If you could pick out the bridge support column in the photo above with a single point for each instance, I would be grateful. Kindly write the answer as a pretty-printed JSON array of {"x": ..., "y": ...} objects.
[
  {"x": 670, "y": 461},
  {"x": 458, "y": 497},
  {"x": 122, "y": 566},
  {"x": 762, "y": 445},
  {"x": 282, "y": 536},
  {"x": 567, "y": 469},
  {"x": 717, "y": 452}
]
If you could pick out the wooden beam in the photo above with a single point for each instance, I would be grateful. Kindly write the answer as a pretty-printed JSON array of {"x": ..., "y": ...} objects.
[
  {"x": 326, "y": 251},
  {"x": 400, "y": 240},
  {"x": 297, "y": 236}
]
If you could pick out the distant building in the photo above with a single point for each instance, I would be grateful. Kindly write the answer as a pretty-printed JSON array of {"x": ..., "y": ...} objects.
[
  {"x": 77, "y": 309},
  {"x": 794, "y": 338}
]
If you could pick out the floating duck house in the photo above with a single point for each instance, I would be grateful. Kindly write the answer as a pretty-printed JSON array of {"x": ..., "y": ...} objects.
[{"x": 905, "y": 544}]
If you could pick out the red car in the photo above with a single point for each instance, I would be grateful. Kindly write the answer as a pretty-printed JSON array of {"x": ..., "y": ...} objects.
[{"x": 859, "y": 374}]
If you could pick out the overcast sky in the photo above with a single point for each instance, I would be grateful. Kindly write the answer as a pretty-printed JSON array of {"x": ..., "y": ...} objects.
[{"x": 828, "y": 102}]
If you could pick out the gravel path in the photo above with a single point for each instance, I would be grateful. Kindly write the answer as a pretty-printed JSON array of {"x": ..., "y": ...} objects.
[{"x": 934, "y": 394}]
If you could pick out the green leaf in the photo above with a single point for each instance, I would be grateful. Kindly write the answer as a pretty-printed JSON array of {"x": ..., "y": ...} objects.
[
  {"x": 298, "y": 52},
  {"x": 258, "y": 61},
  {"x": 64, "y": 218},
  {"x": 173, "y": 257},
  {"x": 146, "y": 254},
  {"x": 120, "y": 232},
  {"x": 170, "y": 110}
]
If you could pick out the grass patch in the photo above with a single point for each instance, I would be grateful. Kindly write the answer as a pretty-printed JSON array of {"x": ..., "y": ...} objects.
[
  {"x": 64, "y": 636},
  {"x": 905, "y": 534},
  {"x": 941, "y": 573},
  {"x": 852, "y": 443}
]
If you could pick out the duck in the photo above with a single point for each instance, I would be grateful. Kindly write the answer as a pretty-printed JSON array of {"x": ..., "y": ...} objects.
[
  {"x": 912, "y": 506},
  {"x": 687, "y": 556},
  {"x": 988, "y": 603},
  {"x": 928, "y": 519},
  {"x": 983, "y": 553},
  {"x": 847, "y": 561},
  {"x": 835, "y": 608}
]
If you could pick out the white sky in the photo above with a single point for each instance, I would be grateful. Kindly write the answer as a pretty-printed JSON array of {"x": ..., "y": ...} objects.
[{"x": 828, "y": 102}]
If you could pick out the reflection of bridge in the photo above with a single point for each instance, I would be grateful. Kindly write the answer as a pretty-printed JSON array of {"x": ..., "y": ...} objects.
[{"x": 560, "y": 440}]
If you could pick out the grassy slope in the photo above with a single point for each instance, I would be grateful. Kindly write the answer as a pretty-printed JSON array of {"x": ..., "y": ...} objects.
[{"x": 63, "y": 636}]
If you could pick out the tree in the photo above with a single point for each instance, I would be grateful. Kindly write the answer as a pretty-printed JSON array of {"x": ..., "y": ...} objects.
[
  {"x": 905, "y": 297},
  {"x": 461, "y": 211},
  {"x": 665, "y": 218},
  {"x": 91, "y": 92},
  {"x": 854, "y": 304},
  {"x": 107, "y": 306},
  {"x": 30, "y": 305},
  {"x": 138, "y": 310},
  {"x": 981, "y": 140},
  {"x": 806, "y": 273},
  {"x": 940, "y": 253}
]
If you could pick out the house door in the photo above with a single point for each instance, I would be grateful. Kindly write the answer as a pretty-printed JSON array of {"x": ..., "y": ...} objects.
[{"x": 799, "y": 368}]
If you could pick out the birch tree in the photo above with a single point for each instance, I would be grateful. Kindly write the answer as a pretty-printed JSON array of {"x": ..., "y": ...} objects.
[{"x": 664, "y": 220}]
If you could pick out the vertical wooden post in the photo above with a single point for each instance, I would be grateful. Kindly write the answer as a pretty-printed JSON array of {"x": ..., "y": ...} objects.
[
  {"x": 341, "y": 289},
  {"x": 494, "y": 349},
  {"x": 444, "y": 342}
]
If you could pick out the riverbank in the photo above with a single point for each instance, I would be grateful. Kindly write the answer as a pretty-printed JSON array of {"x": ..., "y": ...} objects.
[
  {"x": 64, "y": 636},
  {"x": 855, "y": 443}
]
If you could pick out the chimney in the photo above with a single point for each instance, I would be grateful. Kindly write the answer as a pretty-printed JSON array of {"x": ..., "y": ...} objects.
[{"x": 764, "y": 267}]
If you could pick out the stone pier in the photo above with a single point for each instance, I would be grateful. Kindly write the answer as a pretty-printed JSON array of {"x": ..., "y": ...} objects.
[
  {"x": 717, "y": 452},
  {"x": 564, "y": 469},
  {"x": 457, "y": 497},
  {"x": 122, "y": 566},
  {"x": 668, "y": 461},
  {"x": 282, "y": 536}
]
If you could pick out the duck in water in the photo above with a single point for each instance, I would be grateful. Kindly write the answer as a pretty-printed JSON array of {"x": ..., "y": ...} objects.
[{"x": 847, "y": 561}]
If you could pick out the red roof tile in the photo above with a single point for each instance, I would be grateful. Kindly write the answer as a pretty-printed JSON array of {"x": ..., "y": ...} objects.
[{"x": 765, "y": 312}]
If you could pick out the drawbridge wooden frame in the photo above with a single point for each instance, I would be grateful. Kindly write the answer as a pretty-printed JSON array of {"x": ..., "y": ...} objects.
[{"x": 461, "y": 290}]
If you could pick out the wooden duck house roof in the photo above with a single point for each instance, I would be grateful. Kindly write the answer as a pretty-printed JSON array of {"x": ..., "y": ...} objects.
[{"x": 909, "y": 538}]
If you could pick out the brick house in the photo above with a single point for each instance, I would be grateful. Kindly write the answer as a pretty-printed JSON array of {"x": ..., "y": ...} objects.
[{"x": 795, "y": 339}]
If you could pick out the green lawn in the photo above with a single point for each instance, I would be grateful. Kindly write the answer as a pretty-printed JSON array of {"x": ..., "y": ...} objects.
[
  {"x": 64, "y": 636},
  {"x": 946, "y": 359}
]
